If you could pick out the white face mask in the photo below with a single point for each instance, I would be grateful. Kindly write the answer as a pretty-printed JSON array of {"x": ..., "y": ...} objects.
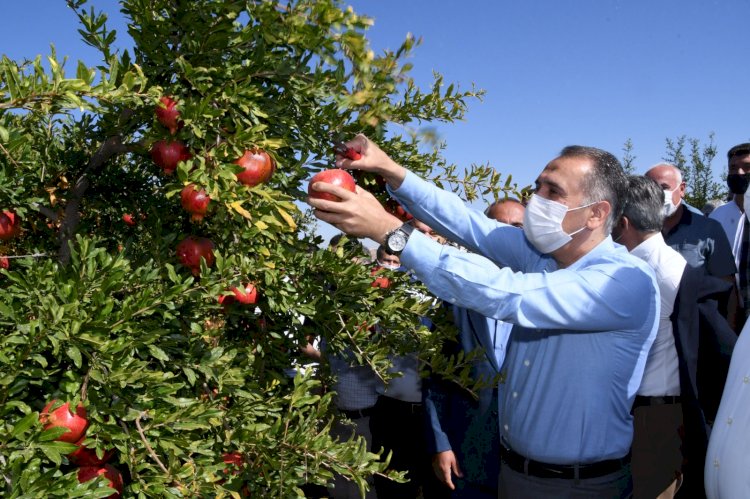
[
  {"x": 542, "y": 223},
  {"x": 389, "y": 266},
  {"x": 669, "y": 207}
]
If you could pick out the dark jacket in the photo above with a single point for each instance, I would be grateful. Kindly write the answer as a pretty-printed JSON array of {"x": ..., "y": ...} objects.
[{"x": 704, "y": 342}]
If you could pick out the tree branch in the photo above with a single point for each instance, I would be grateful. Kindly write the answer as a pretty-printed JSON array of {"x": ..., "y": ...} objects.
[
  {"x": 71, "y": 217},
  {"x": 148, "y": 446}
]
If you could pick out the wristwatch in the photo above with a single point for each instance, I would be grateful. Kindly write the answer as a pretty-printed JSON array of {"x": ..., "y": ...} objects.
[{"x": 395, "y": 240}]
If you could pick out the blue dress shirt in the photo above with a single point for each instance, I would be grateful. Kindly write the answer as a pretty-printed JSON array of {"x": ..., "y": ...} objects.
[{"x": 581, "y": 334}]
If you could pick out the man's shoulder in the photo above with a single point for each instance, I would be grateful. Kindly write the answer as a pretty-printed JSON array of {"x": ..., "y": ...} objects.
[
  {"x": 724, "y": 211},
  {"x": 700, "y": 224},
  {"x": 620, "y": 263}
]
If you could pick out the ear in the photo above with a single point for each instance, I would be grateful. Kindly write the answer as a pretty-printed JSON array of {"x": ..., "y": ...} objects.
[
  {"x": 683, "y": 188},
  {"x": 599, "y": 213}
]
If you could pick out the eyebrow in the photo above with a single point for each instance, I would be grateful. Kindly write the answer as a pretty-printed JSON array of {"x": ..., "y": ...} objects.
[{"x": 550, "y": 183}]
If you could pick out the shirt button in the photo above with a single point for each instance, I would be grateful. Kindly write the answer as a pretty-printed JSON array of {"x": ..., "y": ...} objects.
[
  {"x": 527, "y": 362},
  {"x": 506, "y": 427},
  {"x": 746, "y": 379},
  {"x": 729, "y": 420},
  {"x": 515, "y": 394},
  {"x": 716, "y": 463}
]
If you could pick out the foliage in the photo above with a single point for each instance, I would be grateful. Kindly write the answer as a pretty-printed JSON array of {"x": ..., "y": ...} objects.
[
  {"x": 694, "y": 160},
  {"x": 97, "y": 311},
  {"x": 628, "y": 158}
]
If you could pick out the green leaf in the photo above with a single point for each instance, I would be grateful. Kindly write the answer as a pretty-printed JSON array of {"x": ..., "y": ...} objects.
[{"x": 23, "y": 425}]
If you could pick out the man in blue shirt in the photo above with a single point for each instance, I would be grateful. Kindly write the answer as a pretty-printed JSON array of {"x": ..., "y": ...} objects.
[{"x": 584, "y": 311}]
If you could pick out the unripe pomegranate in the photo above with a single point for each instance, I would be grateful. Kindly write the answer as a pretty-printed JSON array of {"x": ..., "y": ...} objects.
[
  {"x": 62, "y": 418},
  {"x": 335, "y": 176},
  {"x": 128, "y": 219},
  {"x": 168, "y": 115},
  {"x": 258, "y": 167},
  {"x": 168, "y": 154},
  {"x": 10, "y": 225},
  {"x": 113, "y": 476},
  {"x": 195, "y": 202},
  {"x": 191, "y": 249}
]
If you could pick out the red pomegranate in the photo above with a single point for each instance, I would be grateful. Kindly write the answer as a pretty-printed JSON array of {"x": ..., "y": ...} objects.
[
  {"x": 114, "y": 478},
  {"x": 195, "y": 202},
  {"x": 191, "y": 249},
  {"x": 380, "y": 281},
  {"x": 247, "y": 295},
  {"x": 167, "y": 154},
  {"x": 168, "y": 115},
  {"x": 10, "y": 225},
  {"x": 62, "y": 418},
  {"x": 258, "y": 167},
  {"x": 334, "y": 176},
  {"x": 128, "y": 219},
  {"x": 83, "y": 456},
  {"x": 394, "y": 208},
  {"x": 4, "y": 262}
]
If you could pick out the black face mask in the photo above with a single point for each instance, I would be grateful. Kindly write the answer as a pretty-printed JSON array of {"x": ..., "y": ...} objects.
[{"x": 738, "y": 183}]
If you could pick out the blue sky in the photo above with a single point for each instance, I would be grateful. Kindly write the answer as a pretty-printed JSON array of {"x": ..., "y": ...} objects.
[{"x": 592, "y": 72}]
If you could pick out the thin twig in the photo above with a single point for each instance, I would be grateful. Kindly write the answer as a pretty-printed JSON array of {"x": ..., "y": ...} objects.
[{"x": 148, "y": 447}]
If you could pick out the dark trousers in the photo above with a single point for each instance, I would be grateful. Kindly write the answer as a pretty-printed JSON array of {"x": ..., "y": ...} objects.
[{"x": 398, "y": 427}]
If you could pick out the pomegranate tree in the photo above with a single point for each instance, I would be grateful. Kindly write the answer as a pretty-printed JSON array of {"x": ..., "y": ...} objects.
[
  {"x": 192, "y": 249},
  {"x": 167, "y": 154},
  {"x": 195, "y": 201}
]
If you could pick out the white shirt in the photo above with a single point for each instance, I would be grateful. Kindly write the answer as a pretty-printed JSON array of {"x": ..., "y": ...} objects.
[
  {"x": 661, "y": 376},
  {"x": 728, "y": 459},
  {"x": 732, "y": 221}
]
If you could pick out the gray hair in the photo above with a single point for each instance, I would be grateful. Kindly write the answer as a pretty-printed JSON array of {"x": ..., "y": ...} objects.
[
  {"x": 644, "y": 203},
  {"x": 678, "y": 172}
]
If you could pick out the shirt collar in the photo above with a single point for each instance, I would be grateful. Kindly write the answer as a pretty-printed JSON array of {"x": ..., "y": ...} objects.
[{"x": 644, "y": 250}]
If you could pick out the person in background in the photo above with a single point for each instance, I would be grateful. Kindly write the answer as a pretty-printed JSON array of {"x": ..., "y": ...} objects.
[
  {"x": 577, "y": 349},
  {"x": 463, "y": 430},
  {"x": 355, "y": 386},
  {"x": 657, "y": 411},
  {"x": 728, "y": 459},
  {"x": 398, "y": 421},
  {"x": 700, "y": 240},
  {"x": 734, "y": 220},
  {"x": 507, "y": 211}
]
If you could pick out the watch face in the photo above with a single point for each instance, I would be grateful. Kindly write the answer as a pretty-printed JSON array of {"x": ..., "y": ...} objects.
[{"x": 397, "y": 241}]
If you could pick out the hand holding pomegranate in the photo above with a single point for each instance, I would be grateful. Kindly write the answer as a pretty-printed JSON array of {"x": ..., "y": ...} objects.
[
  {"x": 357, "y": 213},
  {"x": 373, "y": 159}
]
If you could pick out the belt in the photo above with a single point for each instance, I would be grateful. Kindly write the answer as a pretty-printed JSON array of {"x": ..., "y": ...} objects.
[
  {"x": 409, "y": 407},
  {"x": 520, "y": 464},
  {"x": 641, "y": 401},
  {"x": 357, "y": 413}
]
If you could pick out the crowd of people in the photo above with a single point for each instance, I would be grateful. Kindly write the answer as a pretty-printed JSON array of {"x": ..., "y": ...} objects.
[{"x": 608, "y": 315}]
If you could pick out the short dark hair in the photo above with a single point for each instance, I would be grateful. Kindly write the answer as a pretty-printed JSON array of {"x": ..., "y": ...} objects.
[
  {"x": 739, "y": 150},
  {"x": 643, "y": 204},
  {"x": 606, "y": 181},
  {"x": 380, "y": 252}
]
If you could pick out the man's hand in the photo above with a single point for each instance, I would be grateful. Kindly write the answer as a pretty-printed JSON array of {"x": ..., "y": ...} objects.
[
  {"x": 373, "y": 159},
  {"x": 443, "y": 464},
  {"x": 359, "y": 214}
]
